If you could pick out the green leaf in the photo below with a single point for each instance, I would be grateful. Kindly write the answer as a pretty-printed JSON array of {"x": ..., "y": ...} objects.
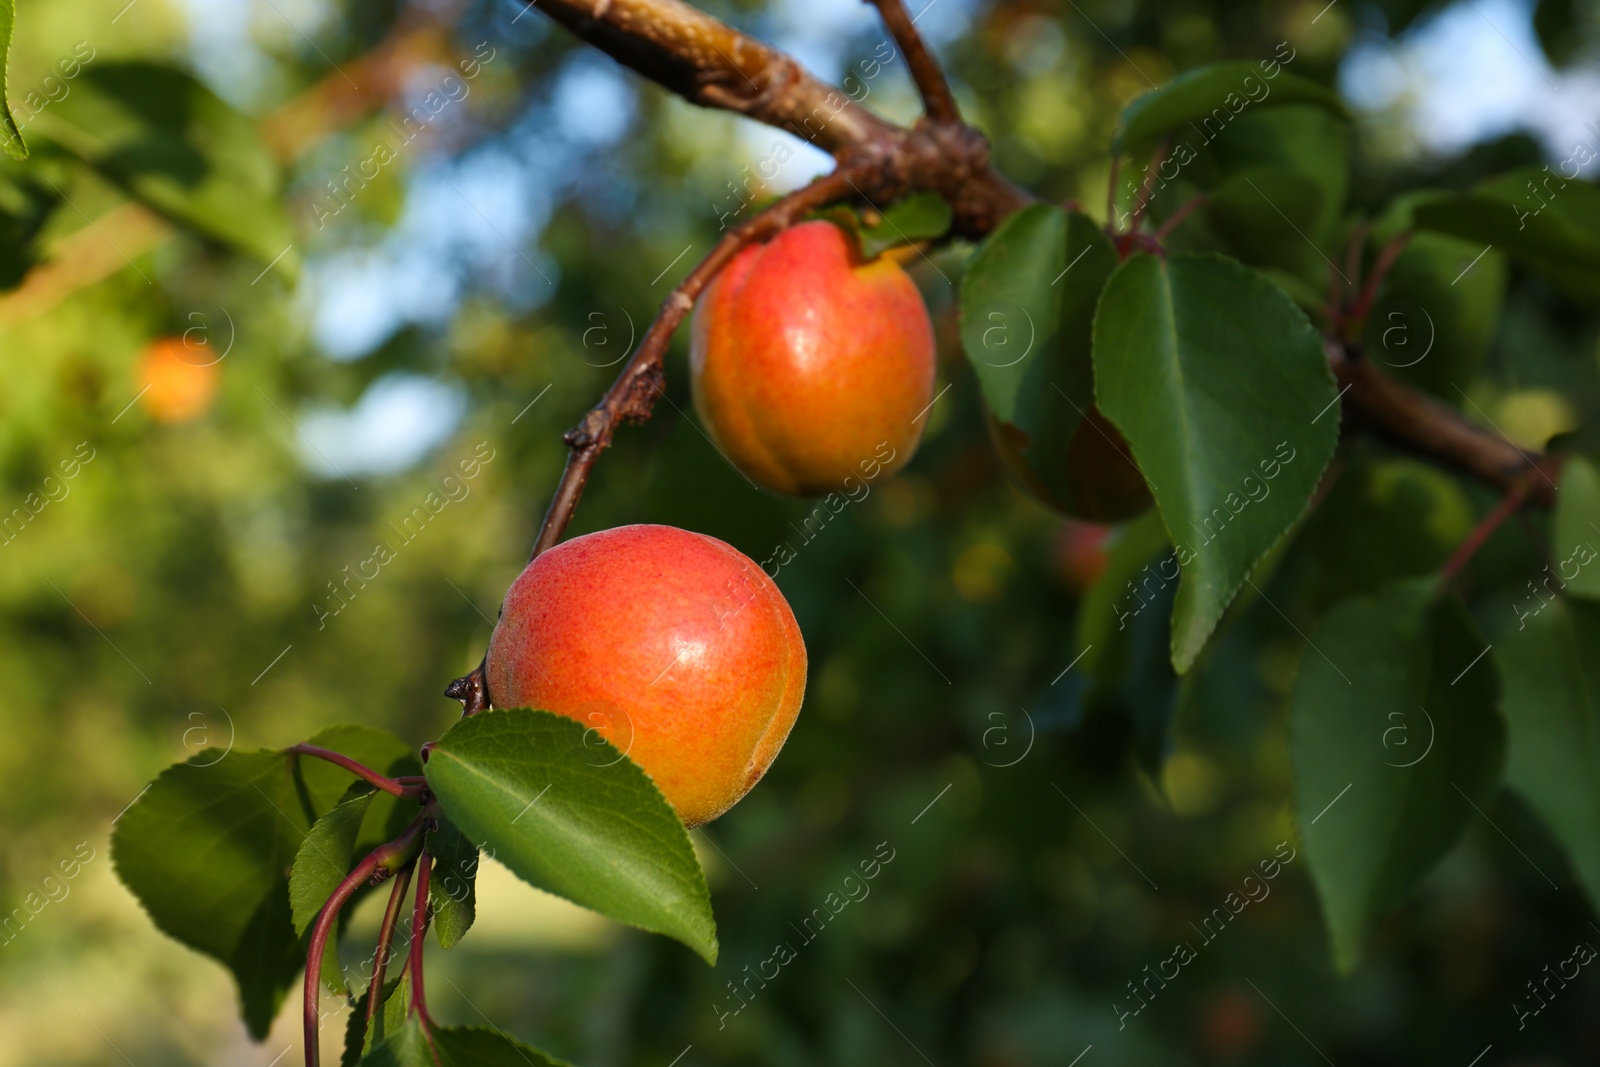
[
  {"x": 1577, "y": 528},
  {"x": 454, "y": 1047},
  {"x": 524, "y": 785},
  {"x": 1027, "y": 311},
  {"x": 390, "y": 1020},
  {"x": 208, "y": 846},
  {"x": 1124, "y": 630},
  {"x": 1131, "y": 577},
  {"x": 922, "y": 216},
  {"x": 1393, "y": 729},
  {"x": 1552, "y": 705},
  {"x": 1262, "y": 215},
  {"x": 10, "y": 135},
  {"x": 1438, "y": 313},
  {"x": 325, "y": 856},
  {"x": 1207, "y": 100},
  {"x": 453, "y": 887},
  {"x": 1534, "y": 215},
  {"x": 170, "y": 142},
  {"x": 1308, "y": 141},
  {"x": 1221, "y": 387}
]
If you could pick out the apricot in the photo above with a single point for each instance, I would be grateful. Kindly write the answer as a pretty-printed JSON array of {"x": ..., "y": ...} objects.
[
  {"x": 175, "y": 383},
  {"x": 807, "y": 363},
  {"x": 672, "y": 645}
]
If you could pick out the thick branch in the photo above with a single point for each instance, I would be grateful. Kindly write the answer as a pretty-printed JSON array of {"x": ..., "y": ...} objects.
[
  {"x": 1419, "y": 423},
  {"x": 708, "y": 62},
  {"x": 937, "y": 100}
]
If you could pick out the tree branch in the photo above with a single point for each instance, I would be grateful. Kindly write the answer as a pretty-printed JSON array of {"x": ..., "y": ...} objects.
[
  {"x": 932, "y": 86},
  {"x": 708, "y": 62},
  {"x": 1418, "y": 423}
]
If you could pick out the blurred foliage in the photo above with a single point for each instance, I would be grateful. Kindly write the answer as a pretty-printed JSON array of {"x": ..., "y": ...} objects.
[{"x": 187, "y": 585}]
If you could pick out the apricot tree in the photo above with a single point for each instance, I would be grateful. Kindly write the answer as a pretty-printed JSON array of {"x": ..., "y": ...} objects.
[{"x": 1189, "y": 368}]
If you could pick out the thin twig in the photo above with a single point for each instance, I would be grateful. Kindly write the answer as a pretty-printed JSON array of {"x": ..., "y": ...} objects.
[
  {"x": 1146, "y": 191},
  {"x": 377, "y": 865},
  {"x": 1380, "y": 270},
  {"x": 1184, "y": 211},
  {"x": 380, "y": 959},
  {"x": 419, "y": 933},
  {"x": 410, "y": 788},
  {"x": 1480, "y": 533},
  {"x": 937, "y": 100}
]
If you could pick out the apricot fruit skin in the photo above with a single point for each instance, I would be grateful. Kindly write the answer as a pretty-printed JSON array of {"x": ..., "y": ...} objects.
[
  {"x": 672, "y": 645},
  {"x": 805, "y": 361}
]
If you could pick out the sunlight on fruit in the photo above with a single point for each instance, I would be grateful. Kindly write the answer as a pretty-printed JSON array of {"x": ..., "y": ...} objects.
[
  {"x": 1192, "y": 783},
  {"x": 981, "y": 571},
  {"x": 1532, "y": 416},
  {"x": 176, "y": 383}
]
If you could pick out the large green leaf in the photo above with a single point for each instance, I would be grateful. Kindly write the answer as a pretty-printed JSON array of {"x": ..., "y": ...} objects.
[
  {"x": 418, "y": 1044},
  {"x": 10, "y": 135},
  {"x": 207, "y": 850},
  {"x": 1207, "y": 100},
  {"x": 524, "y": 785},
  {"x": 1221, "y": 387},
  {"x": 1393, "y": 730},
  {"x": 173, "y": 144},
  {"x": 1551, "y": 665},
  {"x": 1262, "y": 216},
  {"x": 1027, "y": 314},
  {"x": 1576, "y": 568},
  {"x": 1534, "y": 215}
]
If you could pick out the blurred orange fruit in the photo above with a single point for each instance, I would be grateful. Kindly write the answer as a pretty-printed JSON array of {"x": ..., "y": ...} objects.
[{"x": 177, "y": 382}]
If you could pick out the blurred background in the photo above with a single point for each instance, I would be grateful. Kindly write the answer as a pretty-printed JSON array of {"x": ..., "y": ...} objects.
[{"x": 248, "y": 405}]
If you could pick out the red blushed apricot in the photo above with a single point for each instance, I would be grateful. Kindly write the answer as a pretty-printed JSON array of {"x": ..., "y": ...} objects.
[
  {"x": 810, "y": 366},
  {"x": 675, "y": 647}
]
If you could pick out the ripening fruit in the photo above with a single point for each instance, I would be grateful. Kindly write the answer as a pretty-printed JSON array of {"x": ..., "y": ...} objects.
[
  {"x": 673, "y": 646},
  {"x": 810, "y": 367},
  {"x": 176, "y": 384}
]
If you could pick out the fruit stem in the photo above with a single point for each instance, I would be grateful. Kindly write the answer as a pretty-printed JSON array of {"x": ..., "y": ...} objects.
[
  {"x": 407, "y": 788},
  {"x": 378, "y": 864},
  {"x": 380, "y": 959}
]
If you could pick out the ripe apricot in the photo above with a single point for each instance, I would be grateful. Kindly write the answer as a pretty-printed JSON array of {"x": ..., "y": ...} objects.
[
  {"x": 672, "y": 645},
  {"x": 175, "y": 383},
  {"x": 806, "y": 361}
]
